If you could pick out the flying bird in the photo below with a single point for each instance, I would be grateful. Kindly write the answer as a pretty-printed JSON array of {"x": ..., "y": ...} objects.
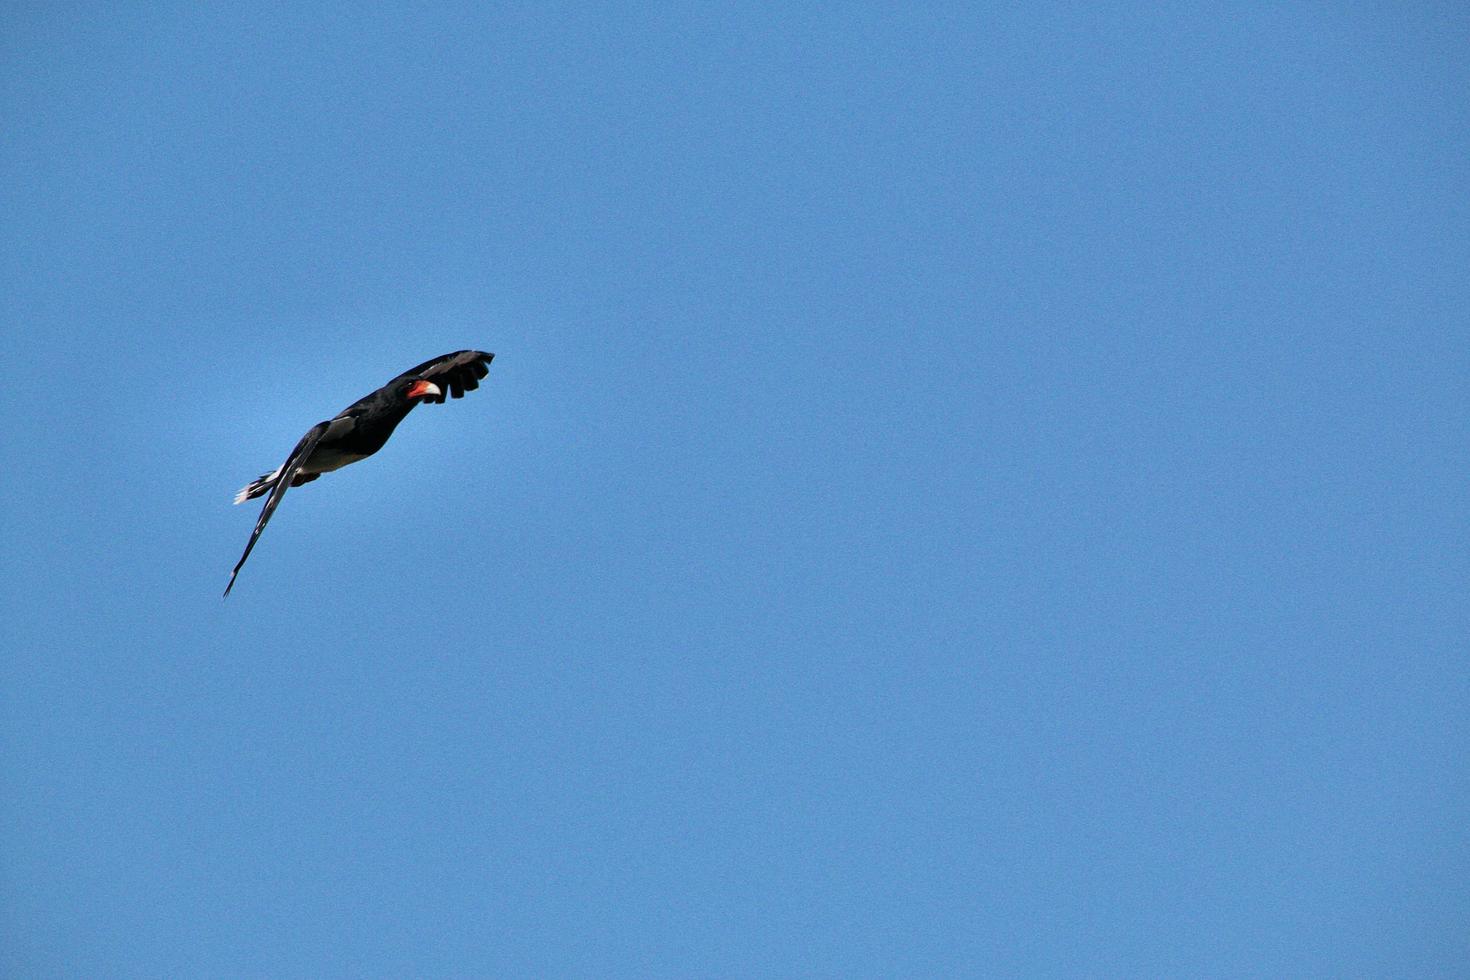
[{"x": 362, "y": 429}]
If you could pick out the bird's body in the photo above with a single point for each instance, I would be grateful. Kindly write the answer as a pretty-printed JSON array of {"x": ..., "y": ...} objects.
[
  {"x": 362, "y": 429},
  {"x": 359, "y": 431}
]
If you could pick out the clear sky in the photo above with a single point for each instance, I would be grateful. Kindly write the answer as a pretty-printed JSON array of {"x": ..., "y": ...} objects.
[{"x": 963, "y": 489}]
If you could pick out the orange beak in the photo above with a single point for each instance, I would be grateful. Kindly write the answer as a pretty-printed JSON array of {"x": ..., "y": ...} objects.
[{"x": 421, "y": 388}]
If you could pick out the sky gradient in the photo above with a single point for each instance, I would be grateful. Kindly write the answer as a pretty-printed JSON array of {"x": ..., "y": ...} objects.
[{"x": 968, "y": 489}]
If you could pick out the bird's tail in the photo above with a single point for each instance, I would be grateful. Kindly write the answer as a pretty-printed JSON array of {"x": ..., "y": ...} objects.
[{"x": 258, "y": 487}]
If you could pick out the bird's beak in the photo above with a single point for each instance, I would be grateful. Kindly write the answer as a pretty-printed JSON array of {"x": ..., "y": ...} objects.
[{"x": 422, "y": 388}]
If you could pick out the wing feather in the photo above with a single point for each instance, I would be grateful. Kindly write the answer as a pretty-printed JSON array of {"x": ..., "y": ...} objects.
[
  {"x": 454, "y": 373},
  {"x": 283, "y": 482}
]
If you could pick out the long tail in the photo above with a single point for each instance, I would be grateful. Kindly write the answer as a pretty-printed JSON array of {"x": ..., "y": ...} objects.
[
  {"x": 264, "y": 483},
  {"x": 258, "y": 487}
]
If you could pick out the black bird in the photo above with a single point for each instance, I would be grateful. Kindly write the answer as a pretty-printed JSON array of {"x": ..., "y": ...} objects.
[{"x": 362, "y": 429}]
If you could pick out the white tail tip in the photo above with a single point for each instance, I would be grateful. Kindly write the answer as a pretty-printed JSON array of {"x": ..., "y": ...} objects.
[{"x": 257, "y": 486}]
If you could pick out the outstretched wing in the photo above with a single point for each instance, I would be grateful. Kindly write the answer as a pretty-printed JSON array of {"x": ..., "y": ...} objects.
[
  {"x": 454, "y": 373},
  {"x": 283, "y": 482}
]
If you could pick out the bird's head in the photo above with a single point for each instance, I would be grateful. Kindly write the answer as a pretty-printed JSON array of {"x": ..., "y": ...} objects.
[{"x": 417, "y": 389}]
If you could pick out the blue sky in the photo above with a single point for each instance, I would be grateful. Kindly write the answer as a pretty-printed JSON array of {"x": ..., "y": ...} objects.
[{"x": 963, "y": 490}]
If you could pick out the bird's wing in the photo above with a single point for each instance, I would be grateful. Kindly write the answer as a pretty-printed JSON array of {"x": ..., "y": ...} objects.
[
  {"x": 335, "y": 427},
  {"x": 454, "y": 373}
]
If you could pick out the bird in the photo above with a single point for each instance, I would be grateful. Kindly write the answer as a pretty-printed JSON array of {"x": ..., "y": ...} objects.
[{"x": 361, "y": 429}]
